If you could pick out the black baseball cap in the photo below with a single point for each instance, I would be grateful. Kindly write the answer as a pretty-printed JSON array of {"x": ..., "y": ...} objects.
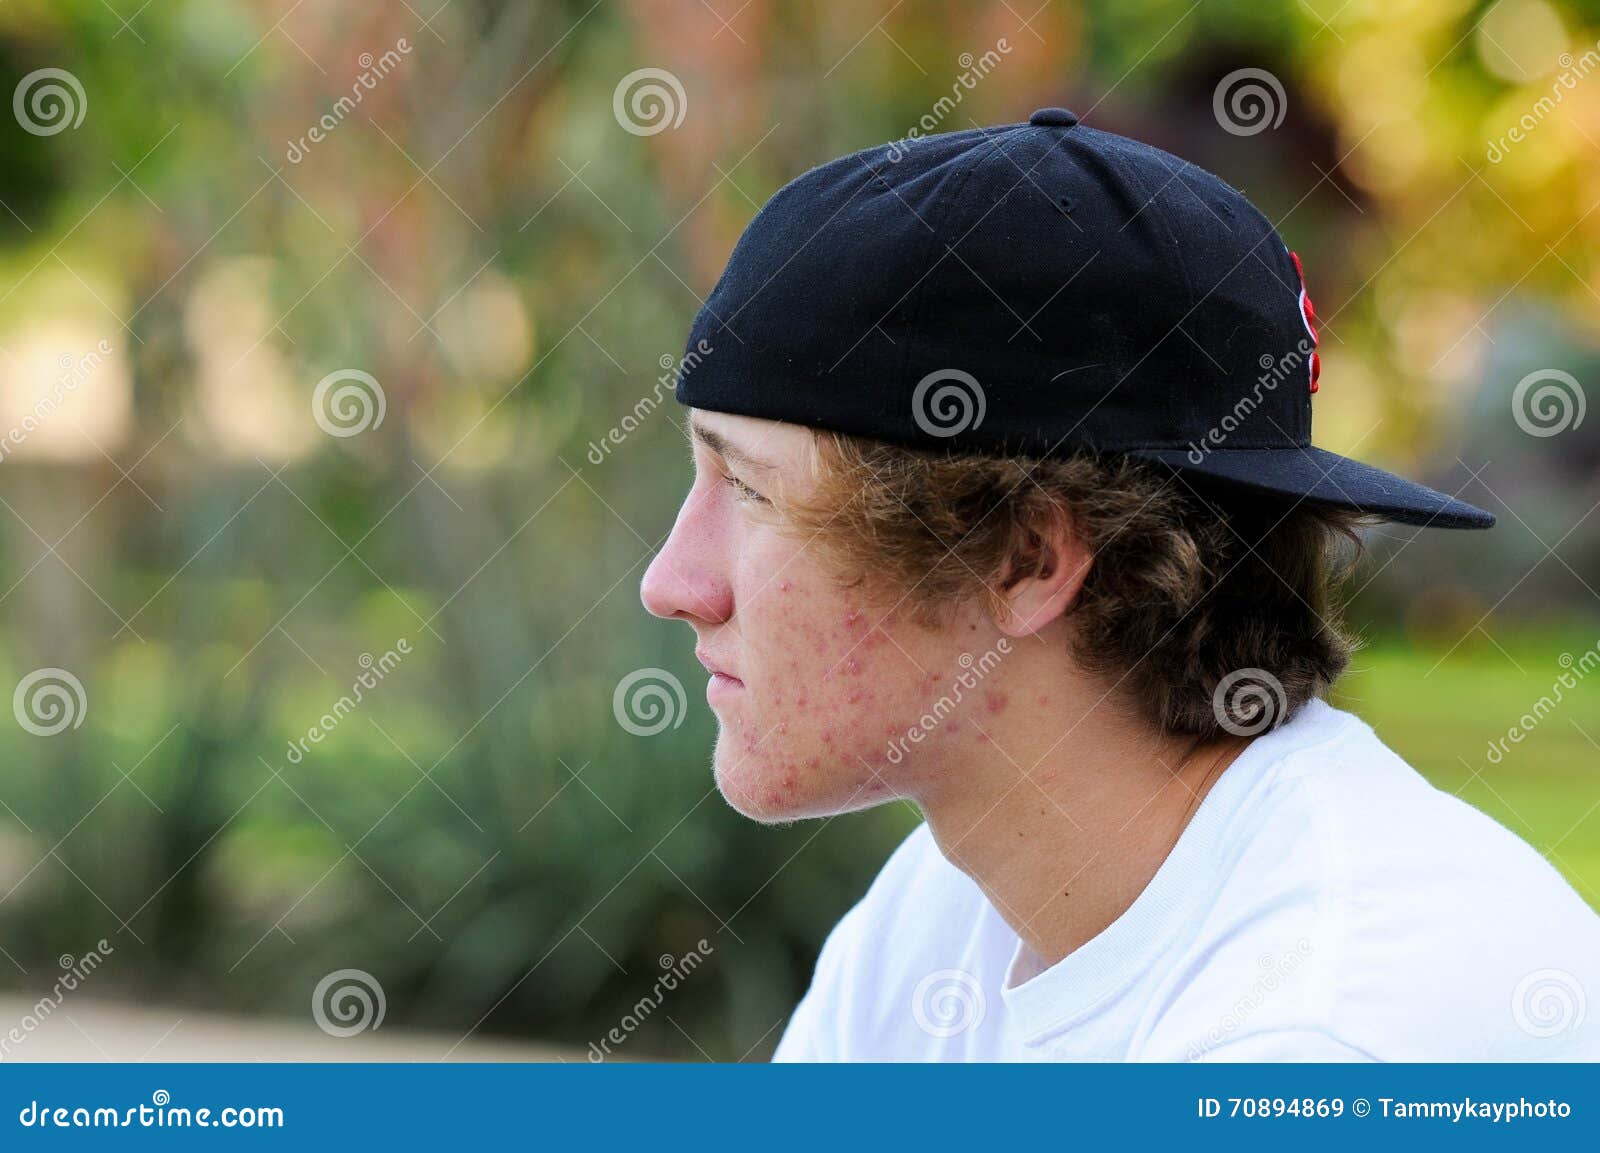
[{"x": 1036, "y": 289}]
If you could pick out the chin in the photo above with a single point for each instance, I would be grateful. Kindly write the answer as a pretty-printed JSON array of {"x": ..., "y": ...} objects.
[{"x": 777, "y": 794}]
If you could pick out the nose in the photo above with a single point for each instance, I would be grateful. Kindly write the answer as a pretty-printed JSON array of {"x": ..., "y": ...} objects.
[{"x": 686, "y": 580}]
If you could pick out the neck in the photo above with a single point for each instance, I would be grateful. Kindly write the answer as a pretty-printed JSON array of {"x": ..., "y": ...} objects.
[{"x": 1063, "y": 809}]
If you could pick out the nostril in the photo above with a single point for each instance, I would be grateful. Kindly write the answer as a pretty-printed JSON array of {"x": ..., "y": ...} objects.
[
  {"x": 656, "y": 591},
  {"x": 673, "y": 592}
]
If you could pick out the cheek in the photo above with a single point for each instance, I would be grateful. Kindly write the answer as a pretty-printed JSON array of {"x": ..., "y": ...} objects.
[
  {"x": 832, "y": 685},
  {"x": 823, "y": 658}
]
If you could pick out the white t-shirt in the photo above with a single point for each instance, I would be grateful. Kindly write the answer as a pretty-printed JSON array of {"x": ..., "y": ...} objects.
[{"x": 1325, "y": 903}]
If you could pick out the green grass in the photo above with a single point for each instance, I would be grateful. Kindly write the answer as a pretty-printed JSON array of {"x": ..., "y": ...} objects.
[{"x": 1442, "y": 714}]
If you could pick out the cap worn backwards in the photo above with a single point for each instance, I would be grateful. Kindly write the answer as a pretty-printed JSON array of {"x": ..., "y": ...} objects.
[{"x": 1035, "y": 289}]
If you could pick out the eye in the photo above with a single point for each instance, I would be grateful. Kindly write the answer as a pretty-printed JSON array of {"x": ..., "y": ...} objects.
[{"x": 743, "y": 491}]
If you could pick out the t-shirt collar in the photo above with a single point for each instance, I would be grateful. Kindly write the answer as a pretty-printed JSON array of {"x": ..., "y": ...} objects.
[{"x": 1042, "y": 1003}]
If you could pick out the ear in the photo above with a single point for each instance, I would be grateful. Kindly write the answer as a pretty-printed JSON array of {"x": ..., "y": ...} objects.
[{"x": 1046, "y": 575}]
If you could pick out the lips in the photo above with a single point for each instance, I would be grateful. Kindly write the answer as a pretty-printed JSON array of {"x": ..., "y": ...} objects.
[
  {"x": 715, "y": 667},
  {"x": 723, "y": 685}
]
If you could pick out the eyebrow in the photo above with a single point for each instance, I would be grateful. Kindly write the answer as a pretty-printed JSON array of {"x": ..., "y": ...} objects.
[{"x": 726, "y": 449}]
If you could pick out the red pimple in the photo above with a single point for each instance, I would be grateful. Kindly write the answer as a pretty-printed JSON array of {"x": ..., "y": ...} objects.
[
  {"x": 1043, "y": 700},
  {"x": 853, "y": 618},
  {"x": 853, "y": 667},
  {"x": 995, "y": 701},
  {"x": 827, "y": 738}
]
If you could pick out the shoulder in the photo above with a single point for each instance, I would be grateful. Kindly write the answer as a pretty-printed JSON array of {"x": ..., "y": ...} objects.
[
  {"x": 1454, "y": 925},
  {"x": 1373, "y": 912}
]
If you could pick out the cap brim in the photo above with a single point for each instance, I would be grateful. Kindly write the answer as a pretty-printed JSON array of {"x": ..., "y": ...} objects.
[{"x": 1314, "y": 474}]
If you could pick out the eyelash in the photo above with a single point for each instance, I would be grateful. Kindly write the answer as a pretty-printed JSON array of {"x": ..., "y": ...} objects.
[{"x": 744, "y": 491}]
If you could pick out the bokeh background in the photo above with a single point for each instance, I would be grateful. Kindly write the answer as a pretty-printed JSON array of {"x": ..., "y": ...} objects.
[{"x": 512, "y": 249}]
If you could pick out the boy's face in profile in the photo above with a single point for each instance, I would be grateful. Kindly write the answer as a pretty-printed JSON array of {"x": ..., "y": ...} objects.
[{"x": 813, "y": 684}]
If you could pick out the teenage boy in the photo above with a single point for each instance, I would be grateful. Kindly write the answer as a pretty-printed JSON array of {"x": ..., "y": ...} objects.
[{"x": 1005, "y": 504}]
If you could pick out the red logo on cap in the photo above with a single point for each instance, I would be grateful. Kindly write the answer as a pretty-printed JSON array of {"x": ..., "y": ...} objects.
[{"x": 1309, "y": 315}]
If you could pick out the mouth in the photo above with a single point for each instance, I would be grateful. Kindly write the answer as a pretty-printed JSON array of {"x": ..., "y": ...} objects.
[{"x": 722, "y": 684}]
